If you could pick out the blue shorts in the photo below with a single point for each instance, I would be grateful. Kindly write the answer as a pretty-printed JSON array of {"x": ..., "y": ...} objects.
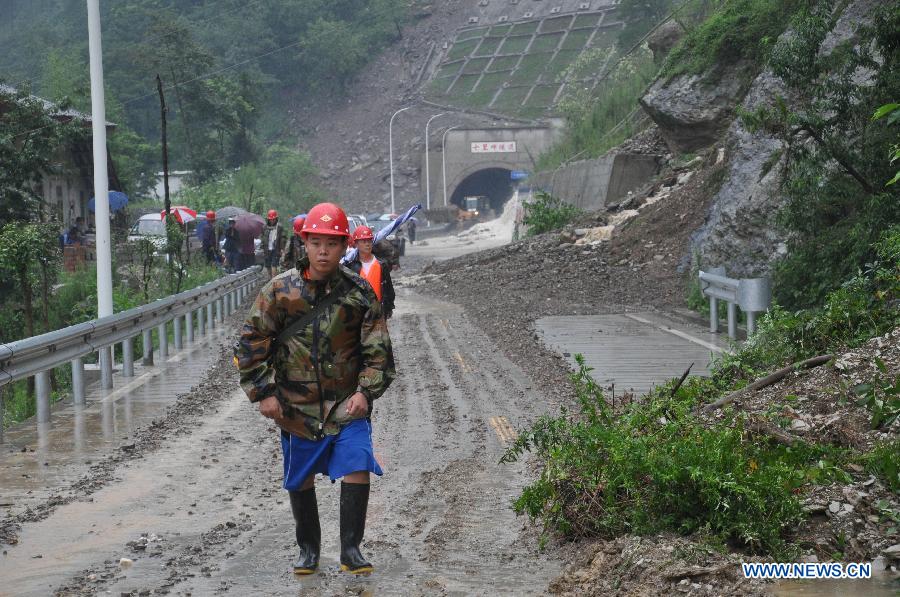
[{"x": 335, "y": 455}]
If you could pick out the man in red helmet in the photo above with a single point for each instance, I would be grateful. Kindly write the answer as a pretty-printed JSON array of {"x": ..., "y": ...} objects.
[
  {"x": 295, "y": 251},
  {"x": 272, "y": 242},
  {"x": 315, "y": 353},
  {"x": 373, "y": 270},
  {"x": 210, "y": 246}
]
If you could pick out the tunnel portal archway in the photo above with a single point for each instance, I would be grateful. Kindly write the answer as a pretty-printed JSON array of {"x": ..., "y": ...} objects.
[{"x": 494, "y": 183}]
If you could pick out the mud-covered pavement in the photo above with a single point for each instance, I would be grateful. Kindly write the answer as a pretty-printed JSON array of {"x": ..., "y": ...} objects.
[{"x": 200, "y": 510}]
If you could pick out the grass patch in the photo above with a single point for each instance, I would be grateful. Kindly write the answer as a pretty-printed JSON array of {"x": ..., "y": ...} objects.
[
  {"x": 464, "y": 85},
  {"x": 503, "y": 63},
  {"x": 475, "y": 33},
  {"x": 738, "y": 30},
  {"x": 530, "y": 67},
  {"x": 515, "y": 44},
  {"x": 556, "y": 67},
  {"x": 449, "y": 70},
  {"x": 488, "y": 46},
  {"x": 546, "y": 213},
  {"x": 586, "y": 21},
  {"x": 501, "y": 30},
  {"x": 475, "y": 66},
  {"x": 525, "y": 28},
  {"x": 542, "y": 96},
  {"x": 482, "y": 96},
  {"x": 556, "y": 24},
  {"x": 576, "y": 40},
  {"x": 510, "y": 99},
  {"x": 605, "y": 38},
  {"x": 492, "y": 81},
  {"x": 546, "y": 42},
  {"x": 461, "y": 49},
  {"x": 440, "y": 86}
]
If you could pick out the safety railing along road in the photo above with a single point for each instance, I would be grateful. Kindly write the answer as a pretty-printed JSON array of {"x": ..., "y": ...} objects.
[
  {"x": 198, "y": 310},
  {"x": 752, "y": 295}
]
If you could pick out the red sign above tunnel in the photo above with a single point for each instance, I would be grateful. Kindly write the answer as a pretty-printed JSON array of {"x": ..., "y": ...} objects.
[{"x": 494, "y": 147}]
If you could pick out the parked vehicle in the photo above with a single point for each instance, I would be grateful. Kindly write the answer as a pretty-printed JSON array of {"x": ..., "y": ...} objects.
[{"x": 151, "y": 227}]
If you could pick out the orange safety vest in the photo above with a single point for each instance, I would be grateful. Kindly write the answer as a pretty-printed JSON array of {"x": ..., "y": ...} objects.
[{"x": 373, "y": 277}]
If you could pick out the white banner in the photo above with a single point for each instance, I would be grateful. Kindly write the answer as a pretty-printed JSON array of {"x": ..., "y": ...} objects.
[{"x": 494, "y": 147}]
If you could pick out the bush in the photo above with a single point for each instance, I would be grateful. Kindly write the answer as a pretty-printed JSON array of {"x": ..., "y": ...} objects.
[
  {"x": 654, "y": 467},
  {"x": 739, "y": 30},
  {"x": 548, "y": 213}
]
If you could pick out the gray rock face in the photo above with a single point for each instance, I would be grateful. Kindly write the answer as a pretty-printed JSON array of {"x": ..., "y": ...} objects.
[
  {"x": 691, "y": 112},
  {"x": 740, "y": 231}
]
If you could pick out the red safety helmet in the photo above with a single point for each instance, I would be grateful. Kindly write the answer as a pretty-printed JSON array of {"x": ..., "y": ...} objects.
[
  {"x": 326, "y": 218},
  {"x": 210, "y": 215},
  {"x": 273, "y": 215},
  {"x": 363, "y": 233},
  {"x": 298, "y": 225}
]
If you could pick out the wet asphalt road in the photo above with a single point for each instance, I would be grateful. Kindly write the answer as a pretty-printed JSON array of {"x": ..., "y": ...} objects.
[{"x": 203, "y": 512}]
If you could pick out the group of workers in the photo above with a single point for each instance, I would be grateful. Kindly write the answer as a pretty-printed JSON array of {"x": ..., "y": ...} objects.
[{"x": 314, "y": 353}]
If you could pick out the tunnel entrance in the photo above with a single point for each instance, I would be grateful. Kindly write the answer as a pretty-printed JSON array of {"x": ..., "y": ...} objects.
[{"x": 493, "y": 183}]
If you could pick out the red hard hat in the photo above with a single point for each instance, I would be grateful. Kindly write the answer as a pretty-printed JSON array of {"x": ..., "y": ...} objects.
[
  {"x": 210, "y": 215},
  {"x": 273, "y": 214},
  {"x": 326, "y": 218},
  {"x": 363, "y": 233},
  {"x": 298, "y": 225}
]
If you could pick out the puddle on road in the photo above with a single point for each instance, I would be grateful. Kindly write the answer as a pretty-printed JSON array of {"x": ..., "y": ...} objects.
[{"x": 878, "y": 586}]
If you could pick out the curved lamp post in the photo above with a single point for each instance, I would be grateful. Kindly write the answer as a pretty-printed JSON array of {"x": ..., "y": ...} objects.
[
  {"x": 444, "y": 159},
  {"x": 428, "y": 163},
  {"x": 391, "y": 152}
]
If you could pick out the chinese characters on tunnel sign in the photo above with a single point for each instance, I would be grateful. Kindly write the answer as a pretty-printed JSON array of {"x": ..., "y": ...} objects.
[{"x": 494, "y": 147}]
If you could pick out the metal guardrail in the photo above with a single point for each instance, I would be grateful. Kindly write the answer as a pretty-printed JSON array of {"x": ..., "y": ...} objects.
[
  {"x": 202, "y": 307},
  {"x": 752, "y": 295}
]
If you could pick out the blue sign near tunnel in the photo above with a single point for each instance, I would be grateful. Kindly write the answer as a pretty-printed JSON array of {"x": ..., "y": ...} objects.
[{"x": 518, "y": 175}]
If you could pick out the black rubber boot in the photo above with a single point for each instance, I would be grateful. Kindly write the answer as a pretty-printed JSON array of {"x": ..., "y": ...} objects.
[
  {"x": 354, "y": 503},
  {"x": 309, "y": 534}
]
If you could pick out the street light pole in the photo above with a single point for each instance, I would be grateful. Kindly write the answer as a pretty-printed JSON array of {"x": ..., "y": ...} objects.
[
  {"x": 444, "y": 160},
  {"x": 391, "y": 153},
  {"x": 101, "y": 182},
  {"x": 428, "y": 163}
]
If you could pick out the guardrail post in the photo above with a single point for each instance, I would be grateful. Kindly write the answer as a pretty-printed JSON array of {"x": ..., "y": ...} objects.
[
  {"x": 713, "y": 315},
  {"x": 163, "y": 341},
  {"x": 177, "y": 325},
  {"x": 78, "y": 381},
  {"x": 189, "y": 325},
  {"x": 42, "y": 388},
  {"x": 732, "y": 320},
  {"x": 128, "y": 357},
  {"x": 201, "y": 321},
  {"x": 2, "y": 412},
  {"x": 229, "y": 303},
  {"x": 220, "y": 317},
  {"x": 148, "y": 347},
  {"x": 106, "y": 367},
  {"x": 210, "y": 320}
]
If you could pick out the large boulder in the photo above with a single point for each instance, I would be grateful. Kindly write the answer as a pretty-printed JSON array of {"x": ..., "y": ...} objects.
[
  {"x": 692, "y": 111},
  {"x": 741, "y": 232},
  {"x": 664, "y": 39}
]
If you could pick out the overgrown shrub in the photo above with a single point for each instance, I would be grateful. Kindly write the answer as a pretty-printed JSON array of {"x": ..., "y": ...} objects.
[
  {"x": 738, "y": 30},
  {"x": 655, "y": 467},
  {"x": 547, "y": 213}
]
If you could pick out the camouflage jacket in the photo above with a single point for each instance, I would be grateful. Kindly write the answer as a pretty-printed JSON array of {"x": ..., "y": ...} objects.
[{"x": 345, "y": 349}]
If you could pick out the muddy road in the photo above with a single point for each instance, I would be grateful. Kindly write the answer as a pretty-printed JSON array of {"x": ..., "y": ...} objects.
[{"x": 201, "y": 511}]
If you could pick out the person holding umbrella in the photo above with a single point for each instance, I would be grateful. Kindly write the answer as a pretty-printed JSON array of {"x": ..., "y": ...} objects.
[
  {"x": 273, "y": 242},
  {"x": 232, "y": 246},
  {"x": 373, "y": 271},
  {"x": 210, "y": 245}
]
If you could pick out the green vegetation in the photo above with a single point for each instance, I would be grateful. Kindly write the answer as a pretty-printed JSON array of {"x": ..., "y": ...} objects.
[
  {"x": 504, "y": 63},
  {"x": 837, "y": 159},
  {"x": 304, "y": 48},
  {"x": 598, "y": 119},
  {"x": 556, "y": 24},
  {"x": 653, "y": 465},
  {"x": 516, "y": 44},
  {"x": 736, "y": 30},
  {"x": 488, "y": 46},
  {"x": 547, "y": 213},
  {"x": 528, "y": 28},
  {"x": 546, "y": 42}
]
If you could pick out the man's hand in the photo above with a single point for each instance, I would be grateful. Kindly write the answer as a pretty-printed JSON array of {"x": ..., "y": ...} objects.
[
  {"x": 357, "y": 405},
  {"x": 270, "y": 408}
]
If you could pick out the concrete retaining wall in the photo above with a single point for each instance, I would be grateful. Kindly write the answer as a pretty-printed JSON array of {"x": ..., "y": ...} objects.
[{"x": 593, "y": 184}]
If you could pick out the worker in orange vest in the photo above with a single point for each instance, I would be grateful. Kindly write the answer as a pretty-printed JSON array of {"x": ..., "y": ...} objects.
[{"x": 372, "y": 270}]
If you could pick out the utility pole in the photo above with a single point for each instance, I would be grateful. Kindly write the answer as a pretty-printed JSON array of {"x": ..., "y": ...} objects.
[
  {"x": 391, "y": 153},
  {"x": 101, "y": 183},
  {"x": 428, "y": 163},
  {"x": 167, "y": 203}
]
